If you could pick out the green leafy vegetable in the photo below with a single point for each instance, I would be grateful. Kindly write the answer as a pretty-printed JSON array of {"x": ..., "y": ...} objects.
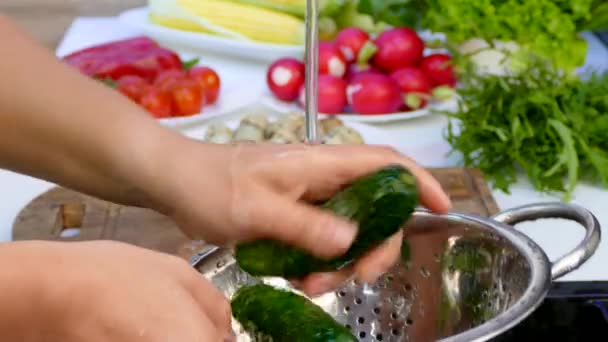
[
  {"x": 546, "y": 28},
  {"x": 394, "y": 12},
  {"x": 550, "y": 126},
  {"x": 189, "y": 64},
  {"x": 350, "y": 16}
]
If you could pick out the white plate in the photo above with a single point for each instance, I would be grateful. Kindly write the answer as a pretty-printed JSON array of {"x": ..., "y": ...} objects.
[
  {"x": 286, "y": 107},
  {"x": 233, "y": 97},
  {"x": 201, "y": 42},
  {"x": 370, "y": 134}
]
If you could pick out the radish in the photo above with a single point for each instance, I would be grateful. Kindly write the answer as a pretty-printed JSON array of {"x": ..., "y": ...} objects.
[
  {"x": 398, "y": 48},
  {"x": 439, "y": 68},
  {"x": 331, "y": 96},
  {"x": 374, "y": 93},
  {"x": 355, "y": 44},
  {"x": 285, "y": 77},
  {"x": 331, "y": 60},
  {"x": 356, "y": 69},
  {"x": 415, "y": 85}
]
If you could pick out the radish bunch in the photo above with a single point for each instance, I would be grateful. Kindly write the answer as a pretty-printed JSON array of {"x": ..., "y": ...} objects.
[{"x": 367, "y": 75}]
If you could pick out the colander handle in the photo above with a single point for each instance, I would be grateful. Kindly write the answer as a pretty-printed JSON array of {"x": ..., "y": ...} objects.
[{"x": 584, "y": 217}]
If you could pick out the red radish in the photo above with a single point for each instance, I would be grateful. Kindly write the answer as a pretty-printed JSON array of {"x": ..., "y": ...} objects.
[
  {"x": 331, "y": 96},
  {"x": 397, "y": 48},
  {"x": 331, "y": 60},
  {"x": 415, "y": 85},
  {"x": 285, "y": 77},
  {"x": 439, "y": 68},
  {"x": 355, "y": 69},
  {"x": 351, "y": 41},
  {"x": 373, "y": 93}
]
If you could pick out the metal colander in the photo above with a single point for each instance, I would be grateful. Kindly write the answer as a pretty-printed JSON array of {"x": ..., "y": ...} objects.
[{"x": 460, "y": 278}]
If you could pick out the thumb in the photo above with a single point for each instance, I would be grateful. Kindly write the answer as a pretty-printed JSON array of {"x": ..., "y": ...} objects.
[{"x": 298, "y": 224}]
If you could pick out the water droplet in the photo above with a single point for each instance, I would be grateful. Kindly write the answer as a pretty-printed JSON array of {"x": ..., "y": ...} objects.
[
  {"x": 221, "y": 263},
  {"x": 397, "y": 302},
  {"x": 425, "y": 273}
]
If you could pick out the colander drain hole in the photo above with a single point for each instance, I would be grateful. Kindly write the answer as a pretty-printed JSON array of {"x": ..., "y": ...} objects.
[
  {"x": 358, "y": 301},
  {"x": 377, "y": 311},
  {"x": 379, "y": 337},
  {"x": 360, "y": 320},
  {"x": 347, "y": 308},
  {"x": 362, "y": 334}
]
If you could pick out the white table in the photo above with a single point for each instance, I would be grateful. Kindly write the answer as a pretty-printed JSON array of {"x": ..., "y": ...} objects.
[{"x": 420, "y": 138}]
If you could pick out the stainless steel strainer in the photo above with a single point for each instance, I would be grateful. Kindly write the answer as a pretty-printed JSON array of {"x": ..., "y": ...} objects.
[{"x": 461, "y": 277}]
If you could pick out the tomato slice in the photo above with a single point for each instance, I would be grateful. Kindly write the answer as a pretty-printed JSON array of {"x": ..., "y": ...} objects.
[{"x": 209, "y": 81}]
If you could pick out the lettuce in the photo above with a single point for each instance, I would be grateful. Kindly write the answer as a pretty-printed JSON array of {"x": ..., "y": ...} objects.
[{"x": 546, "y": 28}]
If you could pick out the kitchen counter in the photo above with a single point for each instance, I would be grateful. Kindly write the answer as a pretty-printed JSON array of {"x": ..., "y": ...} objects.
[{"x": 419, "y": 138}]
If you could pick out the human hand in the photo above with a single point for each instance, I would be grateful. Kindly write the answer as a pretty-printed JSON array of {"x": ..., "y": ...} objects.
[
  {"x": 225, "y": 194},
  {"x": 109, "y": 291}
]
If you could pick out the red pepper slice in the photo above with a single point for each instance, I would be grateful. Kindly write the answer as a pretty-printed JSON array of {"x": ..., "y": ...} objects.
[
  {"x": 139, "y": 56},
  {"x": 129, "y": 43}
]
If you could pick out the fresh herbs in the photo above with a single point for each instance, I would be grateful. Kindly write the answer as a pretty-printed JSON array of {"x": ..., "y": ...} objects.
[
  {"x": 550, "y": 126},
  {"x": 546, "y": 28},
  {"x": 394, "y": 12}
]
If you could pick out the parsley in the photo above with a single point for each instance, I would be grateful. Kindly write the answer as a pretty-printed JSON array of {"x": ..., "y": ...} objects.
[{"x": 552, "y": 127}]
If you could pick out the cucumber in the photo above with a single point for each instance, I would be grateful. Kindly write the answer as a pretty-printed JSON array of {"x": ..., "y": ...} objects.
[
  {"x": 267, "y": 313},
  {"x": 380, "y": 203}
]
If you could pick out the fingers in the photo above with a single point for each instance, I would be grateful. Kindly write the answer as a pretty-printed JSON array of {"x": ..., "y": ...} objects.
[
  {"x": 211, "y": 301},
  {"x": 368, "y": 269},
  {"x": 318, "y": 231},
  {"x": 377, "y": 262},
  {"x": 319, "y": 283},
  {"x": 197, "y": 327},
  {"x": 330, "y": 167}
]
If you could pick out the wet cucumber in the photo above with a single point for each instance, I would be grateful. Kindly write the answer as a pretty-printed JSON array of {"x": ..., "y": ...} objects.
[
  {"x": 380, "y": 203},
  {"x": 272, "y": 314}
]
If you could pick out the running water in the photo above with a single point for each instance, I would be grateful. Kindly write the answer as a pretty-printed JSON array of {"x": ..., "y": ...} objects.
[{"x": 312, "y": 69}]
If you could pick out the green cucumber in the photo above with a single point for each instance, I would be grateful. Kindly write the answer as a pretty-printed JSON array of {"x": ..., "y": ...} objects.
[
  {"x": 380, "y": 203},
  {"x": 277, "y": 315}
]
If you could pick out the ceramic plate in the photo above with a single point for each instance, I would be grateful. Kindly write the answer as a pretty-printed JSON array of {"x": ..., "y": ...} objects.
[
  {"x": 370, "y": 134},
  {"x": 233, "y": 96},
  {"x": 285, "y": 107},
  {"x": 201, "y": 42}
]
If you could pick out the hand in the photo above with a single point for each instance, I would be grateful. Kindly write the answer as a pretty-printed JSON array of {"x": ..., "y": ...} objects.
[
  {"x": 224, "y": 194},
  {"x": 109, "y": 291}
]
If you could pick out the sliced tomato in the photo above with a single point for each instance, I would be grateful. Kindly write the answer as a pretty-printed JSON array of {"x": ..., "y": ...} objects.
[
  {"x": 157, "y": 102},
  {"x": 209, "y": 81}
]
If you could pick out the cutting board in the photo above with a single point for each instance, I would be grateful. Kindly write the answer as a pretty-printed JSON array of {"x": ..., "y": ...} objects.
[{"x": 64, "y": 215}]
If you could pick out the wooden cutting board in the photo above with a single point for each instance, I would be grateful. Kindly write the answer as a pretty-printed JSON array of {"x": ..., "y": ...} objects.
[{"x": 64, "y": 215}]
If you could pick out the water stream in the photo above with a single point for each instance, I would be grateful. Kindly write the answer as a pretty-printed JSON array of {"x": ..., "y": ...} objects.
[{"x": 312, "y": 69}]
